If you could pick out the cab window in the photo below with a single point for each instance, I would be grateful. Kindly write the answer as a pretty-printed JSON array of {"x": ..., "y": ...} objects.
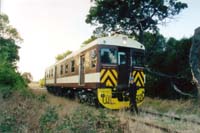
[
  {"x": 138, "y": 59},
  {"x": 108, "y": 56}
]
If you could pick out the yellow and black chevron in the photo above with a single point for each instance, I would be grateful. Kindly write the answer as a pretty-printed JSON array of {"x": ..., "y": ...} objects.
[
  {"x": 109, "y": 77},
  {"x": 138, "y": 78}
]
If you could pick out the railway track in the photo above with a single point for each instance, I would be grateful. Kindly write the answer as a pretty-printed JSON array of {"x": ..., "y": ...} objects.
[
  {"x": 170, "y": 117},
  {"x": 161, "y": 128},
  {"x": 164, "y": 129}
]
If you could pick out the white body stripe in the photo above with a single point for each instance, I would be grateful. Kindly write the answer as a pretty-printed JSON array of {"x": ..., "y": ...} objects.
[
  {"x": 70, "y": 79},
  {"x": 49, "y": 81},
  {"x": 92, "y": 78},
  {"x": 89, "y": 78}
]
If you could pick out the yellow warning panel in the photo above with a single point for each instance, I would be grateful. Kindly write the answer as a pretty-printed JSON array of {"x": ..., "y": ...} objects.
[
  {"x": 105, "y": 98},
  {"x": 140, "y": 96},
  {"x": 109, "y": 77}
]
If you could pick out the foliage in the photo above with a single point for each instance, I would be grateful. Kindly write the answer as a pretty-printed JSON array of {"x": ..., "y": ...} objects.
[
  {"x": 10, "y": 79},
  {"x": 42, "y": 82},
  {"x": 8, "y": 52},
  {"x": 63, "y": 55},
  {"x": 7, "y": 123},
  {"x": 92, "y": 38},
  {"x": 7, "y": 31},
  {"x": 86, "y": 120},
  {"x": 132, "y": 17},
  {"x": 27, "y": 77},
  {"x": 195, "y": 62},
  {"x": 48, "y": 119},
  {"x": 171, "y": 58}
]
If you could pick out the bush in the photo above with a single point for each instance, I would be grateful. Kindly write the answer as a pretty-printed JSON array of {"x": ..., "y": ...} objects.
[
  {"x": 41, "y": 82},
  {"x": 84, "y": 119},
  {"x": 10, "y": 80},
  {"x": 48, "y": 119},
  {"x": 7, "y": 123}
]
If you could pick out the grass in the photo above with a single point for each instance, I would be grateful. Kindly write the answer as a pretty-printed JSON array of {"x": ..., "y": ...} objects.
[
  {"x": 177, "y": 107},
  {"x": 36, "y": 113},
  {"x": 181, "y": 108},
  {"x": 42, "y": 112}
]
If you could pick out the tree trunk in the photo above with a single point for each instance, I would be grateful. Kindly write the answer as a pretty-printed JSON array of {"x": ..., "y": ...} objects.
[
  {"x": 195, "y": 61},
  {"x": 141, "y": 36}
]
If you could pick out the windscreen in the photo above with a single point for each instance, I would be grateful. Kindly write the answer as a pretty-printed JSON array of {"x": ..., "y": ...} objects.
[{"x": 108, "y": 56}]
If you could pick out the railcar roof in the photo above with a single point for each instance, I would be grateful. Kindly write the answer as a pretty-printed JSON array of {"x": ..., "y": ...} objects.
[{"x": 116, "y": 40}]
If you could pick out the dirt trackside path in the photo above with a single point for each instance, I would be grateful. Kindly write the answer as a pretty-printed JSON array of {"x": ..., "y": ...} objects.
[{"x": 67, "y": 106}]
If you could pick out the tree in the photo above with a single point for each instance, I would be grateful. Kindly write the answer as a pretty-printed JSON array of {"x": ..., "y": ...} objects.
[
  {"x": 27, "y": 76},
  {"x": 10, "y": 79},
  {"x": 7, "y": 31},
  {"x": 195, "y": 61},
  {"x": 63, "y": 55},
  {"x": 86, "y": 42},
  {"x": 42, "y": 82},
  {"x": 8, "y": 51},
  {"x": 167, "y": 67},
  {"x": 132, "y": 17}
]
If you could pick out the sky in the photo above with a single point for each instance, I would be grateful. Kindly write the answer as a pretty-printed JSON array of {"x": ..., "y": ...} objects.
[{"x": 50, "y": 27}]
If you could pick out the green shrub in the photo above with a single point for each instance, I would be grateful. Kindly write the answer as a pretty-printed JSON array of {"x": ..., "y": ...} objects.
[
  {"x": 85, "y": 120},
  {"x": 48, "y": 119},
  {"x": 7, "y": 123},
  {"x": 41, "y": 82},
  {"x": 10, "y": 80},
  {"x": 42, "y": 97}
]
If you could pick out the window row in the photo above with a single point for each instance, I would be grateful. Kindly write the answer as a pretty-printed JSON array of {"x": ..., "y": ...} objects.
[
  {"x": 49, "y": 74},
  {"x": 65, "y": 68}
]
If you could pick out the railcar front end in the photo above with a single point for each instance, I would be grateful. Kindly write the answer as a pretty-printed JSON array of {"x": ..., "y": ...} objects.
[{"x": 117, "y": 66}]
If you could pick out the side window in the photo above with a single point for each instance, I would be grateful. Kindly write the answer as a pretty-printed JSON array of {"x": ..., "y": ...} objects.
[
  {"x": 72, "y": 66},
  {"x": 93, "y": 58},
  {"x": 108, "y": 55},
  {"x": 66, "y": 68},
  {"x": 51, "y": 72},
  {"x": 61, "y": 69}
]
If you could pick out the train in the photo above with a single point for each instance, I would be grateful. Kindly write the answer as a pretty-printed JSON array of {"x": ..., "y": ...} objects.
[{"x": 100, "y": 72}]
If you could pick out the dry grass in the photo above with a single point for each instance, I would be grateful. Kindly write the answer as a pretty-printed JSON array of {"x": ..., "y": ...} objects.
[
  {"x": 35, "y": 113},
  {"x": 25, "y": 111},
  {"x": 186, "y": 108},
  {"x": 181, "y": 108}
]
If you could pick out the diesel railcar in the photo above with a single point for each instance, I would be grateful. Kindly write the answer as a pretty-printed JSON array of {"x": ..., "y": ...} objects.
[{"x": 100, "y": 72}]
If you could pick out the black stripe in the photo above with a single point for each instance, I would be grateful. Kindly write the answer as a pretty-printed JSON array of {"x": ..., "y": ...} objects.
[
  {"x": 138, "y": 80},
  {"x": 110, "y": 81},
  {"x": 141, "y": 75},
  {"x": 113, "y": 74},
  {"x": 103, "y": 74},
  {"x": 139, "y": 72}
]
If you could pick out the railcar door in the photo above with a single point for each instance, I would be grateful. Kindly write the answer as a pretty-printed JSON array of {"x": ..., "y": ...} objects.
[
  {"x": 55, "y": 74},
  {"x": 123, "y": 66},
  {"x": 82, "y": 70}
]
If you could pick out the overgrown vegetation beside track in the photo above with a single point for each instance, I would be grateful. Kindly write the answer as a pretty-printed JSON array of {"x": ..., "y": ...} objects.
[
  {"x": 43, "y": 112},
  {"x": 10, "y": 79},
  {"x": 183, "y": 108},
  {"x": 36, "y": 113}
]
